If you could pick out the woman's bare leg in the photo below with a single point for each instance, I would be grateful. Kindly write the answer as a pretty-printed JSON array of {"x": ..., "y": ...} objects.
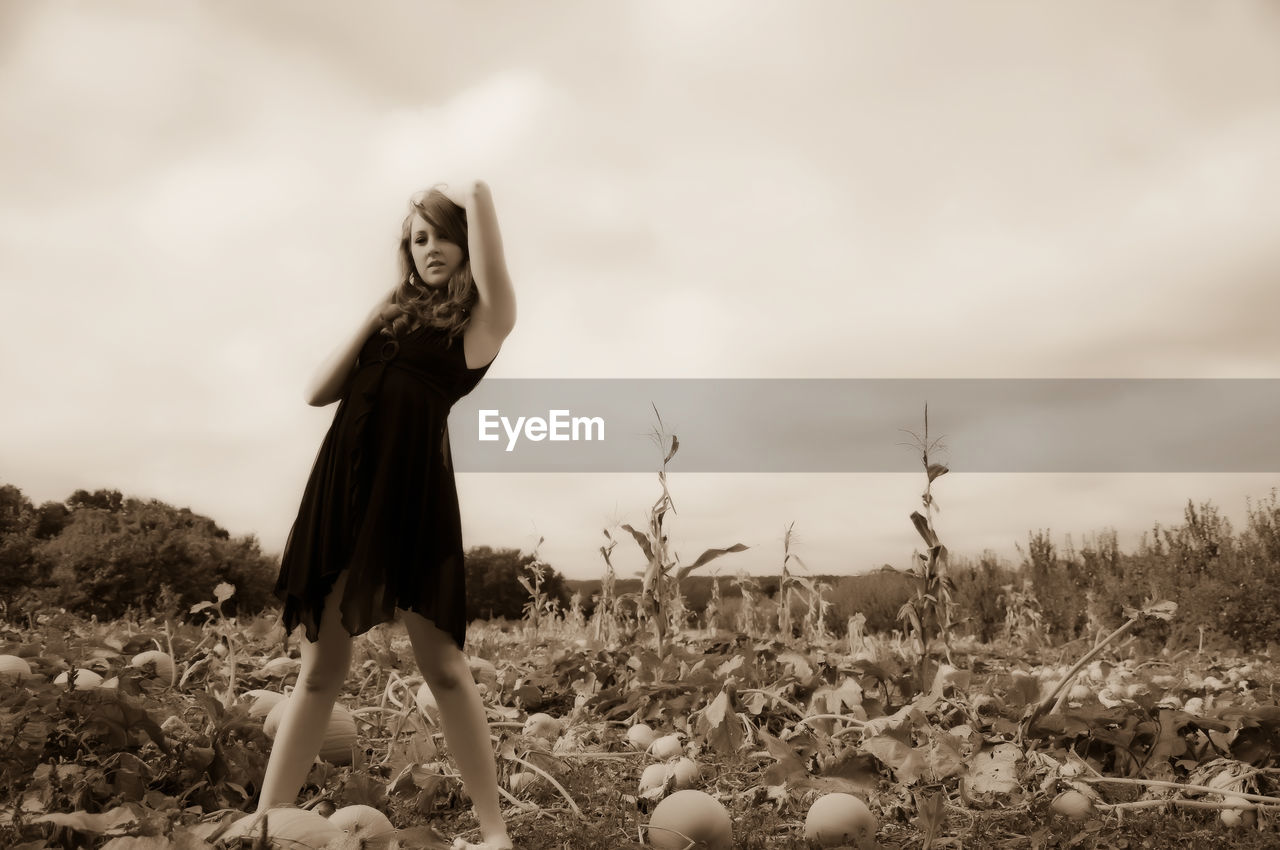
[
  {"x": 301, "y": 732},
  {"x": 466, "y": 729}
]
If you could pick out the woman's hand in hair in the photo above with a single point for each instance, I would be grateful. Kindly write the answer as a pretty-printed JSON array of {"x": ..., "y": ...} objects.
[{"x": 385, "y": 309}]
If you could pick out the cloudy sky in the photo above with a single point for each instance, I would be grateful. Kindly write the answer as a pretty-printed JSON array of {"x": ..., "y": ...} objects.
[{"x": 199, "y": 201}]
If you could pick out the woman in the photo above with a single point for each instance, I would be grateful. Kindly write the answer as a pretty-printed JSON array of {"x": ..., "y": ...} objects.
[{"x": 378, "y": 534}]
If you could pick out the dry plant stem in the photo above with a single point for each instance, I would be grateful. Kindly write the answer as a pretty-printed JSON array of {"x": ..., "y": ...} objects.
[
  {"x": 1048, "y": 701},
  {"x": 552, "y": 780},
  {"x": 775, "y": 698},
  {"x": 230, "y": 695},
  {"x": 528, "y": 807},
  {"x": 691, "y": 844},
  {"x": 1065, "y": 689},
  {"x": 521, "y": 804},
  {"x": 388, "y": 693},
  {"x": 1181, "y": 786},
  {"x": 1187, "y": 804},
  {"x": 382, "y": 701},
  {"x": 204, "y": 661},
  {"x": 372, "y": 709},
  {"x": 846, "y": 718},
  {"x": 168, "y": 639}
]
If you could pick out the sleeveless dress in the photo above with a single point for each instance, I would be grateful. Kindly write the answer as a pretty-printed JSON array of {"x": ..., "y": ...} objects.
[{"x": 381, "y": 498}]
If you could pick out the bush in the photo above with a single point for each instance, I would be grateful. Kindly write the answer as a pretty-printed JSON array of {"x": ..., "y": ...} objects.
[
  {"x": 106, "y": 561},
  {"x": 980, "y": 592},
  {"x": 493, "y": 583},
  {"x": 102, "y": 554},
  {"x": 1059, "y": 583},
  {"x": 876, "y": 595}
]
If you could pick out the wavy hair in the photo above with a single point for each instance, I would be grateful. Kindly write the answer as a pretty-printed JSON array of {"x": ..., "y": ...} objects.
[{"x": 447, "y": 308}]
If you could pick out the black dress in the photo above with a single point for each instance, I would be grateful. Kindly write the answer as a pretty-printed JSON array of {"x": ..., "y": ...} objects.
[{"x": 381, "y": 498}]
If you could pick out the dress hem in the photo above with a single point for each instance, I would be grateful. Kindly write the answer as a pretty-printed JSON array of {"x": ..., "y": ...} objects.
[{"x": 294, "y": 605}]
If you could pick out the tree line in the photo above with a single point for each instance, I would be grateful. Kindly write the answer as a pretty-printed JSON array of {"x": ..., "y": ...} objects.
[{"x": 100, "y": 553}]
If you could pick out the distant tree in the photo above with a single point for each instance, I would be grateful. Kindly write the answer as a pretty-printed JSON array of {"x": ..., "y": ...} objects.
[
  {"x": 51, "y": 518},
  {"x": 17, "y": 517},
  {"x": 16, "y": 510},
  {"x": 107, "y": 500},
  {"x": 493, "y": 583}
]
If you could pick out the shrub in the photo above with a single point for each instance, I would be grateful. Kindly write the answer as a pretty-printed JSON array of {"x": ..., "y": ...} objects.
[
  {"x": 877, "y": 595},
  {"x": 102, "y": 554},
  {"x": 980, "y": 594},
  {"x": 493, "y": 583}
]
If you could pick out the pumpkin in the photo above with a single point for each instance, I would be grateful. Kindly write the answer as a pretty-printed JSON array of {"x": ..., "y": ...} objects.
[
  {"x": 541, "y": 726},
  {"x": 288, "y": 828},
  {"x": 685, "y": 773},
  {"x": 1072, "y": 804},
  {"x": 690, "y": 816},
  {"x": 653, "y": 781},
  {"x": 483, "y": 672},
  {"x": 521, "y": 780},
  {"x": 641, "y": 736},
  {"x": 281, "y": 666},
  {"x": 13, "y": 669},
  {"x": 160, "y": 664},
  {"x": 85, "y": 679},
  {"x": 338, "y": 737},
  {"x": 263, "y": 702},
  {"x": 370, "y": 827},
  {"x": 840, "y": 820},
  {"x": 667, "y": 747}
]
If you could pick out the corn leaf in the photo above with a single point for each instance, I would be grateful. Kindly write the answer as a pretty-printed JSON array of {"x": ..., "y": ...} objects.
[
  {"x": 708, "y": 556},
  {"x": 641, "y": 540},
  {"x": 675, "y": 445},
  {"x": 922, "y": 526}
]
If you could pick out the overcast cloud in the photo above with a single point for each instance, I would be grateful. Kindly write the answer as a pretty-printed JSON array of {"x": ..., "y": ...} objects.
[{"x": 201, "y": 200}]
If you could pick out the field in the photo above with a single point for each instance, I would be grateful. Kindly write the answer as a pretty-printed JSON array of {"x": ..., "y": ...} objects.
[
  {"x": 1087, "y": 719},
  {"x": 1156, "y": 749}
]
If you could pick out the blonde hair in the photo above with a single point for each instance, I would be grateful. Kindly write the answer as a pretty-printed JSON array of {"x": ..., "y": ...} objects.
[{"x": 448, "y": 308}]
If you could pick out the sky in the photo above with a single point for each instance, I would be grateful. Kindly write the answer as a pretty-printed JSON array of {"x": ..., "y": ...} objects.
[{"x": 200, "y": 201}]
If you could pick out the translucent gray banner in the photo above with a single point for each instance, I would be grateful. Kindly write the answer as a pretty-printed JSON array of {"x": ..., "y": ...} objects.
[{"x": 860, "y": 425}]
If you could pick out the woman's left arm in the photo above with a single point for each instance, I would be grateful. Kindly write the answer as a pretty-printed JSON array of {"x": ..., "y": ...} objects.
[{"x": 496, "y": 306}]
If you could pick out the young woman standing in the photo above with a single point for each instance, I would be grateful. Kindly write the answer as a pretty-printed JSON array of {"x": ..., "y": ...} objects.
[{"x": 378, "y": 534}]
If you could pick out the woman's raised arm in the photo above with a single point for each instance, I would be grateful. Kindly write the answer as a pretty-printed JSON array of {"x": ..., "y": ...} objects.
[
  {"x": 331, "y": 378},
  {"x": 496, "y": 306}
]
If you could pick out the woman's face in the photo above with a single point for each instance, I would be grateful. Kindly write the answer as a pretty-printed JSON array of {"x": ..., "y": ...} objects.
[{"x": 434, "y": 258}]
